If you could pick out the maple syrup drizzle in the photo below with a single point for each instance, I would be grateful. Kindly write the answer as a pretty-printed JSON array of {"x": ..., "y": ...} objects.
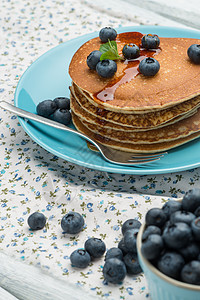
[{"x": 132, "y": 66}]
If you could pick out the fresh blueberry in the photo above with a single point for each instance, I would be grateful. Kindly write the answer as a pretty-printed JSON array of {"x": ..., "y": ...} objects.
[
  {"x": 195, "y": 225},
  {"x": 131, "y": 51},
  {"x": 46, "y": 108},
  {"x": 171, "y": 206},
  {"x": 191, "y": 272},
  {"x": 114, "y": 270},
  {"x": 152, "y": 246},
  {"x": 190, "y": 251},
  {"x": 107, "y": 33},
  {"x": 62, "y": 102},
  {"x": 130, "y": 239},
  {"x": 36, "y": 221},
  {"x": 194, "y": 53},
  {"x": 191, "y": 200},
  {"x": 197, "y": 211},
  {"x": 114, "y": 253},
  {"x": 182, "y": 216},
  {"x": 151, "y": 229},
  {"x": 132, "y": 264},
  {"x": 80, "y": 258},
  {"x": 150, "y": 41},
  {"x": 95, "y": 247},
  {"x": 166, "y": 225},
  {"x": 62, "y": 116},
  {"x": 149, "y": 66},
  {"x": 106, "y": 68},
  {"x": 171, "y": 264},
  {"x": 155, "y": 216},
  {"x": 177, "y": 235},
  {"x": 122, "y": 247},
  {"x": 130, "y": 224},
  {"x": 72, "y": 223},
  {"x": 93, "y": 59}
]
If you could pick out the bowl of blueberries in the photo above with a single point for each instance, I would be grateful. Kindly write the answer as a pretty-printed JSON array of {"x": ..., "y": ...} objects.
[{"x": 168, "y": 247}]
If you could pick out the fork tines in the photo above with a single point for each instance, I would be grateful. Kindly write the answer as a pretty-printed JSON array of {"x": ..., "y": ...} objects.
[
  {"x": 150, "y": 155},
  {"x": 138, "y": 158}
]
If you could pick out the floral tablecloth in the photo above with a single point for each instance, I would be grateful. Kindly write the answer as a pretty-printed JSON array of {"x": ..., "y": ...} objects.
[{"x": 33, "y": 179}]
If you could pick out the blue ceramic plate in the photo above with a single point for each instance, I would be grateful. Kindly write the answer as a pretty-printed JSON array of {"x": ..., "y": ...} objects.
[{"x": 48, "y": 78}]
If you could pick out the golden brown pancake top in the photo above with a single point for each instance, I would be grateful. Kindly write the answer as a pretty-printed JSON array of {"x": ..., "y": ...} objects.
[{"x": 177, "y": 80}]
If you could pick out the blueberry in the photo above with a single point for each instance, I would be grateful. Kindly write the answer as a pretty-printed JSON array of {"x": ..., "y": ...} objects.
[
  {"x": 80, "y": 258},
  {"x": 191, "y": 272},
  {"x": 107, "y": 33},
  {"x": 122, "y": 247},
  {"x": 155, "y": 216},
  {"x": 72, "y": 223},
  {"x": 130, "y": 239},
  {"x": 106, "y": 68},
  {"x": 114, "y": 270},
  {"x": 195, "y": 225},
  {"x": 36, "y": 221},
  {"x": 182, "y": 216},
  {"x": 149, "y": 66},
  {"x": 132, "y": 264},
  {"x": 177, "y": 235},
  {"x": 46, "y": 108},
  {"x": 170, "y": 207},
  {"x": 167, "y": 224},
  {"x": 171, "y": 264},
  {"x": 150, "y": 41},
  {"x": 130, "y": 224},
  {"x": 114, "y": 253},
  {"x": 197, "y": 212},
  {"x": 190, "y": 251},
  {"x": 191, "y": 200},
  {"x": 95, "y": 247},
  {"x": 152, "y": 246},
  {"x": 62, "y": 102},
  {"x": 131, "y": 51},
  {"x": 194, "y": 53},
  {"x": 93, "y": 59},
  {"x": 151, "y": 229},
  {"x": 62, "y": 116}
]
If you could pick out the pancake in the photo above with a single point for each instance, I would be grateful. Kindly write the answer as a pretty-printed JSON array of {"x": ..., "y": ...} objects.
[
  {"x": 85, "y": 115},
  {"x": 171, "y": 132},
  {"x": 143, "y": 121},
  {"x": 134, "y": 148},
  {"x": 177, "y": 81},
  {"x": 136, "y": 113}
]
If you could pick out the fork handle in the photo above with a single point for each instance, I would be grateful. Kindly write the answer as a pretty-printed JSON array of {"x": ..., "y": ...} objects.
[{"x": 31, "y": 116}]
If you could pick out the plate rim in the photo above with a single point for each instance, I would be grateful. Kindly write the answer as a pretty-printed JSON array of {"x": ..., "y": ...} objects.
[{"x": 117, "y": 168}]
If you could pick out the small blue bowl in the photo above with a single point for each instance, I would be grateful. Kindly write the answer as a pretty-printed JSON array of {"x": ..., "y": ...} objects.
[{"x": 162, "y": 287}]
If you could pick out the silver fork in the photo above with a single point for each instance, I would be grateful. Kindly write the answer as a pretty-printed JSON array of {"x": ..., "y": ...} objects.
[{"x": 112, "y": 155}]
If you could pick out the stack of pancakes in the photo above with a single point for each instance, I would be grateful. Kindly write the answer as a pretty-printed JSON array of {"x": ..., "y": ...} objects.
[{"x": 132, "y": 112}]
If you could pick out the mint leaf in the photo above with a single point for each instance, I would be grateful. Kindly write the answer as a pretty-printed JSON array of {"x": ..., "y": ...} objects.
[
  {"x": 109, "y": 51},
  {"x": 104, "y": 48},
  {"x": 108, "y": 55},
  {"x": 113, "y": 44},
  {"x": 107, "y": 46}
]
